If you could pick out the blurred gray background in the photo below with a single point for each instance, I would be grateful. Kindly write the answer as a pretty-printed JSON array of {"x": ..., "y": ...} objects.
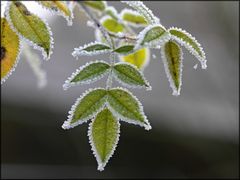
[{"x": 193, "y": 135}]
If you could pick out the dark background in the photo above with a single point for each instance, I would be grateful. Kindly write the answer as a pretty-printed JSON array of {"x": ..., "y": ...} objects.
[{"x": 193, "y": 135}]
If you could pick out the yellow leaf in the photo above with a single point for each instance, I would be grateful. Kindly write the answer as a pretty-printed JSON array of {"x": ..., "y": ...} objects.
[
  {"x": 140, "y": 58},
  {"x": 10, "y": 49},
  {"x": 59, "y": 7}
]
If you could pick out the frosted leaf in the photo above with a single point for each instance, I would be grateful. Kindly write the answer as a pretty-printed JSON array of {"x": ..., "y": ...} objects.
[
  {"x": 31, "y": 28},
  {"x": 111, "y": 11},
  {"x": 144, "y": 11},
  {"x": 112, "y": 25},
  {"x": 94, "y": 48},
  {"x": 125, "y": 106},
  {"x": 172, "y": 59},
  {"x": 10, "y": 50},
  {"x": 86, "y": 107},
  {"x": 87, "y": 74},
  {"x": 130, "y": 76},
  {"x": 35, "y": 64},
  {"x": 96, "y": 5},
  {"x": 125, "y": 49},
  {"x": 103, "y": 133},
  {"x": 139, "y": 58},
  {"x": 133, "y": 18},
  {"x": 59, "y": 8},
  {"x": 189, "y": 42},
  {"x": 153, "y": 35}
]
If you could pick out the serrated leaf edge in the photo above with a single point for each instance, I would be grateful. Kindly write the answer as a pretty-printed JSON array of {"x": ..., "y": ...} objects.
[
  {"x": 147, "y": 126},
  {"x": 176, "y": 92},
  {"x": 69, "y": 84},
  {"x": 157, "y": 42},
  {"x": 202, "y": 60},
  {"x": 67, "y": 124},
  {"x": 81, "y": 52},
  {"x": 101, "y": 165},
  {"x": 147, "y": 84},
  {"x": 31, "y": 43},
  {"x": 53, "y": 12}
]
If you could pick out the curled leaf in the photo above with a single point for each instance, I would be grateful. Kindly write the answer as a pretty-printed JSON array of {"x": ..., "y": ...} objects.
[
  {"x": 10, "y": 50},
  {"x": 30, "y": 27},
  {"x": 86, "y": 107},
  {"x": 127, "y": 107},
  {"x": 94, "y": 48},
  {"x": 154, "y": 35},
  {"x": 172, "y": 59},
  {"x": 97, "y": 5},
  {"x": 60, "y": 8},
  {"x": 133, "y": 18},
  {"x": 130, "y": 76},
  {"x": 104, "y": 132},
  {"x": 88, "y": 73},
  {"x": 112, "y": 25},
  {"x": 189, "y": 42},
  {"x": 140, "y": 58}
]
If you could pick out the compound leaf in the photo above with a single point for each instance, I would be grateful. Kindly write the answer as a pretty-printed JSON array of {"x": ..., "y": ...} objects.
[
  {"x": 86, "y": 107},
  {"x": 127, "y": 107},
  {"x": 30, "y": 27},
  {"x": 10, "y": 50},
  {"x": 88, "y": 73},
  {"x": 104, "y": 135}
]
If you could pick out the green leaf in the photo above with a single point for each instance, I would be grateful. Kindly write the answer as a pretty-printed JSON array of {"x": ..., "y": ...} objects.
[
  {"x": 133, "y": 18},
  {"x": 58, "y": 7},
  {"x": 125, "y": 49},
  {"x": 140, "y": 58},
  {"x": 88, "y": 73},
  {"x": 172, "y": 59},
  {"x": 10, "y": 50},
  {"x": 98, "y": 5},
  {"x": 94, "y": 48},
  {"x": 112, "y": 25},
  {"x": 154, "y": 35},
  {"x": 189, "y": 42},
  {"x": 104, "y": 135},
  {"x": 30, "y": 27},
  {"x": 86, "y": 107},
  {"x": 130, "y": 76},
  {"x": 127, "y": 107}
]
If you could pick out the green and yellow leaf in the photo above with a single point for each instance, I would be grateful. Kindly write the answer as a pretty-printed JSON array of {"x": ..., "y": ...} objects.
[
  {"x": 97, "y": 5},
  {"x": 133, "y": 18},
  {"x": 172, "y": 59},
  {"x": 10, "y": 50},
  {"x": 30, "y": 27},
  {"x": 86, "y": 107},
  {"x": 189, "y": 42},
  {"x": 140, "y": 58},
  {"x": 103, "y": 135},
  {"x": 128, "y": 75},
  {"x": 127, "y": 107},
  {"x": 112, "y": 25},
  {"x": 58, "y": 7},
  {"x": 87, "y": 74}
]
